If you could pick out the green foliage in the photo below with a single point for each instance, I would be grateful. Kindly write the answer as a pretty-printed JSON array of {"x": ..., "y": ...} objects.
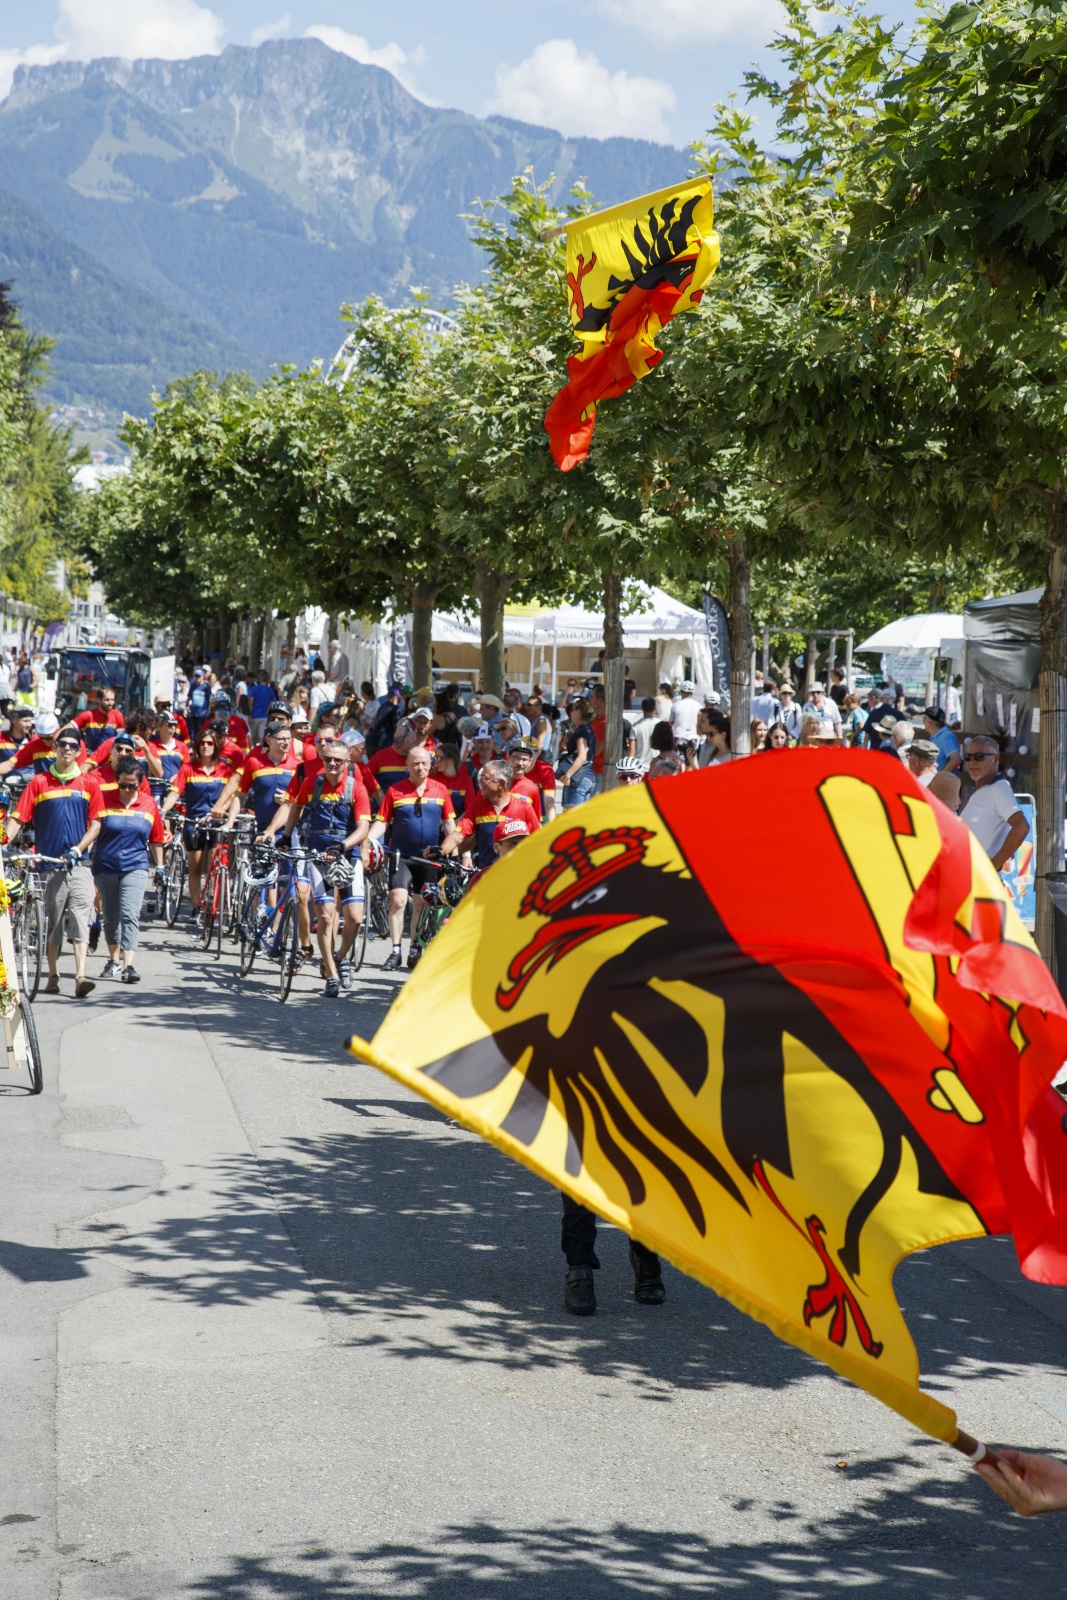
[{"x": 38, "y": 502}]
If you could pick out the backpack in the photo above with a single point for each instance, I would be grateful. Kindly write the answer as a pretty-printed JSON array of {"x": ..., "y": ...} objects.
[{"x": 348, "y": 793}]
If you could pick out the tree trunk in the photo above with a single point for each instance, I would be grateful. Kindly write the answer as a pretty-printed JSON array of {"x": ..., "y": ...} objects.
[
  {"x": 422, "y": 599},
  {"x": 614, "y": 674},
  {"x": 740, "y": 647},
  {"x": 290, "y": 641},
  {"x": 255, "y": 654},
  {"x": 1052, "y": 753},
  {"x": 492, "y": 591}
]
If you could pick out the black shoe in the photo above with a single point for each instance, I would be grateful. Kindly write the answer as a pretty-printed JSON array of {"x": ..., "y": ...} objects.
[
  {"x": 413, "y": 958},
  {"x": 130, "y": 975},
  {"x": 393, "y": 962},
  {"x": 579, "y": 1297},
  {"x": 649, "y": 1288}
]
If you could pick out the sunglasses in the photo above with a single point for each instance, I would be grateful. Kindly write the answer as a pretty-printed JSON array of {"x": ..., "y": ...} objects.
[
  {"x": 66, "y": 744},
  {"x": 334, "y": 761},
  {"x": 986, "y": 755},
  {"x": 629, "y": 777}
]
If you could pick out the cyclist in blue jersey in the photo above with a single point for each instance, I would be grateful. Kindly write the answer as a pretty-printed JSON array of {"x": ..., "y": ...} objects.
[
  {"x": 417, "y": 812},
  {"x": 131, "y": 830},
  {"x": 333, "y": 813},
  {"x": 200, "y": 782}
]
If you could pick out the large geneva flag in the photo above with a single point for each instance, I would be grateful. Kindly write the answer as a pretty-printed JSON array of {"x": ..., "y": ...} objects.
[
  {"x": 629, "y": 271},
  {"x": 783, "y": 1081}
]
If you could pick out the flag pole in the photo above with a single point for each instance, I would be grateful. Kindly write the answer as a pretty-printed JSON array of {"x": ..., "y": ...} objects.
[
  {"x": 972, "y": 1448},
  {"x": 551, "y": 233}
]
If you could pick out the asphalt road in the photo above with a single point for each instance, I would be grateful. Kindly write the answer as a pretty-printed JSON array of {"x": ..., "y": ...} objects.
[{"x": 269, "y": 1327}]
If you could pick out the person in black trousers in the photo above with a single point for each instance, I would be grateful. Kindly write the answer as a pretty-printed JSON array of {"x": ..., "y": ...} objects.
[{"x": 578, "y": 1242}]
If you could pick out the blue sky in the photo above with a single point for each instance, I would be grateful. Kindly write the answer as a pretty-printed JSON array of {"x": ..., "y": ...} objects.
[{"x": 650, "y": 68}]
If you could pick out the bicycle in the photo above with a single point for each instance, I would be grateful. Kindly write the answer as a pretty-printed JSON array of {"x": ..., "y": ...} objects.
[
  {"x": 214, "y": 912},
  {"x": 244, "y": 831},
  {"x": 26, "y": 900},
  {"x": 175, "y": 867},
  {"x": 256, "y": 912},
  {"x": 440, "y": 896}
]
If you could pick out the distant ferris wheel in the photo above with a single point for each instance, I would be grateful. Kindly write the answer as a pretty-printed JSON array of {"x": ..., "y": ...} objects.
[{"x": 344, "y": 363}]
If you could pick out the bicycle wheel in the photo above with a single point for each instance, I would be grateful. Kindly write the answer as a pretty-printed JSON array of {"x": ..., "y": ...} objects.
[
  {"x": 379, "y": 909},
  {"x": 222, "y": 909},
  {"x": 33, "y": 1049},
  {"x": 172, "y": 894},
  {"x": 359, "y": 945},
  {"x": 248, "y": 931},
  {"x": 31, "y": 945},
  {"x": 288, "y": 950},
  {"x": 209, "y": 903}
]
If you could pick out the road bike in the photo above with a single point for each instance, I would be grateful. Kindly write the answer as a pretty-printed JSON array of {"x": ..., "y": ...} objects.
[
  {"x": 25, "y": 895},
  {"x": 215, "y": 897},
  {"x": 441, "y": 894},
  {"x": 175, "y": 867},
  {"x": 244, "y": 833}
]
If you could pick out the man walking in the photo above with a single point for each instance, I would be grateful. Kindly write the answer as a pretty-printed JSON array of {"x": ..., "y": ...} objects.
[{"x": 65, "y": 809}]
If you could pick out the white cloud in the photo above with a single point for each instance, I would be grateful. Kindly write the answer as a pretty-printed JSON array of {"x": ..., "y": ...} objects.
[
  {"x": 563, "y": 87},
  {"x": 393, "y": 57},
  {"x": 134, "y": 29},
  {"x": 272, "y": 30},
  {"x": 38, "y": 55},
  {"x": 754, "y": 20},
  {"x": 138, "y": 29}
]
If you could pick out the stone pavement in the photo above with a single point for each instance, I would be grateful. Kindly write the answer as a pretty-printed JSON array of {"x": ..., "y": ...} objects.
[{"x": 270, "y": 1327}]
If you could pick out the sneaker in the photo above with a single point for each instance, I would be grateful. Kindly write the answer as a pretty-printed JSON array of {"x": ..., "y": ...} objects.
[
  {"x": 130, "y": 975},
  {"x": 111, "y": 969},
  {"x": 393, "y": 962},
  {"x": 345, "y": 969},
  {"x": 332, "y": 989}
]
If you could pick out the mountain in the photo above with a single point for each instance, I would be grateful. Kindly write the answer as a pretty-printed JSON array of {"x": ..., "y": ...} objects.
[
  {"x": 254, "y": 192},
  {"x": 114, "y": 342}
]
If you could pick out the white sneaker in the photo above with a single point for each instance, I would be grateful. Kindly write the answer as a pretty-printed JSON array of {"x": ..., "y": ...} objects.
[{"x": 111, "y": 969}]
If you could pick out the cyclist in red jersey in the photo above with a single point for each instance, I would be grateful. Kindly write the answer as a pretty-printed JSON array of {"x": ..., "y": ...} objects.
[
  {"x": 533, "y": 776},
  {"x": 493, "y": 804},
  {"x": 449, "y": 770},
  {"x": 391, "y": 764},
  {"x": 101, "y": 720},
  {"x": 142, "y": 727},
  {"x": 417, "y": 812}
]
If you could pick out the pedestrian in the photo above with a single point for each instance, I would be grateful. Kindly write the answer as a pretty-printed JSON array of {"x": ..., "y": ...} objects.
[
  {"x": 992, "y": 812},
  {"x": 714, "y": 749},
  {"x": 901, "y": 737},
  {"x": 853, "y": 719},
  {"x": 757, "y": 735},
  {"x": 790, "y": 714},
  {"x": 575, "y": 769},
  {"x": 838, "y": 687},
  {"x": 766, "y": 704},
  {"x": 684, "y": 713},
  {"x": 199, "y": 703},
  {"x": 260, "y": 695},
  {"x": 321, "y": 692},
  {"x": 826, "y": 711},
  {"x": 948, "y": 746},
  {"x": 811, "y": 732},
  {"x": 922, "y": 757},
  {"x": 777, "y": 738},
  {"x": 668, "y": 765},
  {"x": 131, "y": 832},
  {"x": 65, "y": 809},
  {"x": 641, "y": 730},
  {"x": 664, "y": 702}
]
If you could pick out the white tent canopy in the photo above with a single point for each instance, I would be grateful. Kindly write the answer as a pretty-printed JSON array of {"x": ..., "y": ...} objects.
[{"x": 922, "y": 634}]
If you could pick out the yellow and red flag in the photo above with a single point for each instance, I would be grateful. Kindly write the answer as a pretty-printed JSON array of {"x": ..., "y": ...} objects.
[
  {"x": 629, "y": 271},
  {"x": 783, "y": 1082}
]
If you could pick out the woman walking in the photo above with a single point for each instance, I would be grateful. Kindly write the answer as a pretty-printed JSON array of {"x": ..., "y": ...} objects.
[
  {"x": 131, "y": 831},
  {"x": 201, "y": 781}
]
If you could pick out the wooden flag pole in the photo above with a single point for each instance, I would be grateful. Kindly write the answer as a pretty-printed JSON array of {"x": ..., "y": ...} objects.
[
  {"x": 972, "y": 1448},
  {"x": 551, "y": 233}
]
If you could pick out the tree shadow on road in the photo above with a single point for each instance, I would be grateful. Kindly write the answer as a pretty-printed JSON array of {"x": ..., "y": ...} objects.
[
  {"x": 899, "y": 1539},
  {"x": 428, "y": 1244}
]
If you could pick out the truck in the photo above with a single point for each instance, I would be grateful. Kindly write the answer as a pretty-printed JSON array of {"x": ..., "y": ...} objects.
[{"x": 86, "y": 669}]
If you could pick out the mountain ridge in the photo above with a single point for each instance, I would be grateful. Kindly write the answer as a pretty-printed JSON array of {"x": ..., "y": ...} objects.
[{"x": 255, "y": 191}]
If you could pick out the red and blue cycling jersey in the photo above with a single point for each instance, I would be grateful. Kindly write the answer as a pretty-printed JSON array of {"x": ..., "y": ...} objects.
[
  {"x": 480, "y": 821},
  {"x": 126, "y": 831},
  {"x": 389, "y": 767},
  {"x": 263, "y": 782},
  {"x": 331, "y": 817},
  {"x": 413, "y": 820},
  {"x": 97, "y": 725},
  {"x": 60, "y": 810},
  {"x": 199, "y": 789},
  {"x": 39, "y": 754}
]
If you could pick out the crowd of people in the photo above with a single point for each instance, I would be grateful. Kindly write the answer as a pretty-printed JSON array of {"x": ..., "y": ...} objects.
[{"x": 387, "y": 781}]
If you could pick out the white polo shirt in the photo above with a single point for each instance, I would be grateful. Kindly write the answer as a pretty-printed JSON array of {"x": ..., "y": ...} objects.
[{"x": 988, "y": 814}]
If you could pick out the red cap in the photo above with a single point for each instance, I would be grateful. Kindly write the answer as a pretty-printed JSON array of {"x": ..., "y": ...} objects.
[{"x": 510, "y": 828}]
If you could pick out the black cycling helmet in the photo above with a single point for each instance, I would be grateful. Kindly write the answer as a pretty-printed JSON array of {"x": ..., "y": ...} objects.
[
  {"x": 278, "y": 708},
  {"x": 221, "y": 701}
]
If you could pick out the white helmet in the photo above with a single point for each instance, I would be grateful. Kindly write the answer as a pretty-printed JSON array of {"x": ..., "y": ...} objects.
[{"x": 630, "y": 764}]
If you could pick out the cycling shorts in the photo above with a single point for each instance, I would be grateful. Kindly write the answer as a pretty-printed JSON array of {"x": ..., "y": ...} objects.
[
  {"x": 195, "y": 835},
  {"x": 404, "y": 875},
  {"x": 321, "y": 891}
]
